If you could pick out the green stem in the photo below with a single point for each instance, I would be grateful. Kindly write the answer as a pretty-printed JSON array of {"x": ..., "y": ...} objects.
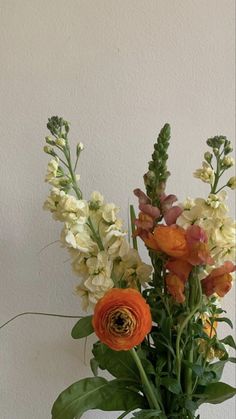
[
  {"x": 73, "y": 178},
  {"x": 95, "y": 234},
  {"x": 132, "y": 220},
  {"x": 146, "y": 385},
  {"x": 39, "y": 314},
  {"x": 182, "y": 327}
]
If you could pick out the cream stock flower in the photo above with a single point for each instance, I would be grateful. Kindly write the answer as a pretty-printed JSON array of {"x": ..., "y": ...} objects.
[
  {"x": 206, "y": 173},
  {"x": 52, "y": 201},
  {"x": 72, "y": 209},
  {"x": 96, "y": 200},
  {"x": 78, "y": 237},
  {"x": 212, "y": 215},
  {"x": 118, "y": 247},
  {"x": 98, "y": 281},
  {"x": 79, "y": 264},
  {"x": 109, "y": 212},
  {"x": 52, "y": 170},
  {"x": 132, "y": 270}
]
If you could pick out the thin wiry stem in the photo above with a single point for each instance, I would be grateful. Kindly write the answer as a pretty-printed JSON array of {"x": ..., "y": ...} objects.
[{"x": 39, "y": 314}]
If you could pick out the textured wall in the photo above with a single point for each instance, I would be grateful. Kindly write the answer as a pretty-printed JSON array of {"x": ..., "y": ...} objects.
[{"x": 117, "y": 70}]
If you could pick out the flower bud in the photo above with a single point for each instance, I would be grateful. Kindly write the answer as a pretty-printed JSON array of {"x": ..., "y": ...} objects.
[
  {"x": 228, "y": 149},
  {"x": 232, "y": 182},
  {"x": 227, "y": 161},
  {"x": 79, "y": 148},
  {"x": 208, "y": 156},
  {"x": 49, "y": 150},
  {"x": 50, "y": 140},
  {"x": 216, "y": 151},
  {"x": 61, "y": 142},
  {"x": 149, "y": 178}
]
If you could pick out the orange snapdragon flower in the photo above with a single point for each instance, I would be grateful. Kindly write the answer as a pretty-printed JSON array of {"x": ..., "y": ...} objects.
[
  {"x": 179, "y": 267},
  {"x": 168, "y": 239},
  {"x": 219, "y": 281},
  {"x": 175, "y": 286},
  {"x": 122, "y": 319}
]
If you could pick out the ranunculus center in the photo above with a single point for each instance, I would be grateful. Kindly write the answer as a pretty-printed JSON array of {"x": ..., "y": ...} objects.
[{"x": 121, "y": 322}]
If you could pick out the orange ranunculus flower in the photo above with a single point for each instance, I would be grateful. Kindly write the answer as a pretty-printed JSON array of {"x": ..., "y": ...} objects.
[
  {"x": 219, "y": 281},
  {"x": 122, "y": 319},
  {"x": 175, "y": 286},
  {"x": 170, "y": 240}
]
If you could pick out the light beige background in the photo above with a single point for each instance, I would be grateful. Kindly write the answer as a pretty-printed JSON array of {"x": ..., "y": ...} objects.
[{"x": 118, "y": 70}]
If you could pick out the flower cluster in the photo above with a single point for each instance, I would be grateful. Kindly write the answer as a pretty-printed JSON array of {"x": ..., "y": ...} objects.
[
  {"x": 212, "y": 215},
  {"x": 93, "y": 234},
  {"x": 156, "y": 325}
]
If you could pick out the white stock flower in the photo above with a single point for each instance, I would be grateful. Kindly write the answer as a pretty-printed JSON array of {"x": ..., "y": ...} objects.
[
  {"x": 109, "y": 212},
  {"x": 52, "y": 201},
  {"x": 98, "y": 281},
  {"x": 78, "y": 237},
  {"x": 118, "y": 248},
  {"x": 143, "y": 272},
  {"x": 132, "y": 270},
  {"x": 212, "y": 215},
  {"x": 206, "y": 173},
  {"x": 73, "y": 209},
  {"x": 79, "y": 264},
  {"x": 96, "y": 200},
  {"x": 52, "y": 170}
]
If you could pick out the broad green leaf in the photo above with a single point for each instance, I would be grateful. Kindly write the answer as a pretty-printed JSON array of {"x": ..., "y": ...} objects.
[
  {"x": 147, "y": 414},
  {"x": 82, "y": 328},
  {"x": 81, "y": 396},
  {"x": 171, "y": 384},
  {"x": 212, "y": 373},
  {"x": 120, "y": 364},
  {"x": 122, "y": 396},
  {"x": 229, "y": 340},
  {"x": 96, "y": 393},
  {"x": 216, "y": 393}
]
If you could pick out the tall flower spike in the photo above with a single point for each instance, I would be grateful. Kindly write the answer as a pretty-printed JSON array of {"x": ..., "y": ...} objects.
[{"x": 156, "y": 177}]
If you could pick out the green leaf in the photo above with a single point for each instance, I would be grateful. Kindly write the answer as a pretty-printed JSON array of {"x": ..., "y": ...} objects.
[
  {"x": 171, "y": 384},
  {"x": 81, "y": 396},
  {"x": 96, "y": 393},
  {"x": 213, "y": 373},
  {"x": 147, "y": 414},
  {"x": 120, "y": 364},
  {"x": 216, "y": 393},
  {"x": 82, "y": 328},
  {"x": 229, "y": 340}
]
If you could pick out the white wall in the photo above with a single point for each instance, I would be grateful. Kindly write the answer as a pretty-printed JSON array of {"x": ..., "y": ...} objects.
[{"x": 118, "y": 70}]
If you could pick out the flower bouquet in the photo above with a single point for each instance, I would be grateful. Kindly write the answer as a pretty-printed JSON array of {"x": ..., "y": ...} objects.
[{"x": 157, "y": 323}]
